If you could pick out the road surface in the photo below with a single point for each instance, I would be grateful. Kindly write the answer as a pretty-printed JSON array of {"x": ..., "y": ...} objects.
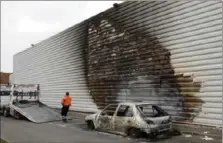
[{"x": 21, "y": 131}]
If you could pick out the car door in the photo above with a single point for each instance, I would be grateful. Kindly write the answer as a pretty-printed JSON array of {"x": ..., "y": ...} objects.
[
  {"x": 123, "y": 118},
  {"x": 105, "y": 117}
]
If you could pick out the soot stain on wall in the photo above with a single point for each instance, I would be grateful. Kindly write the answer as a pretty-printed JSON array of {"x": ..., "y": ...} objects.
[
  {"x": 129, "y": 66},
  {"x": 192, "y": 103}
]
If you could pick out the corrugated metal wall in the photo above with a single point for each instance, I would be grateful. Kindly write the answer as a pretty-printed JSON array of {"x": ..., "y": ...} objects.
[
  {"x": 57, "y": 65},
  {"x": 169, "y": 53}
]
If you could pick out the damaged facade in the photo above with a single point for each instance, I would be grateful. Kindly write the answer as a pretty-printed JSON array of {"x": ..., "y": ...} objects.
[
  {"x": 167, "y": 53},
  {"x": 136, "y": 67}
]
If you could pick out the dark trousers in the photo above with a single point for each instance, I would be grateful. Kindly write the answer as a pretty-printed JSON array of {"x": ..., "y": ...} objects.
[{"x": 64, "y": 111}]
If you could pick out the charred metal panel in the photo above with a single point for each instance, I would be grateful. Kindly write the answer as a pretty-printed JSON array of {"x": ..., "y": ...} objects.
[
  {"x": 168, "y": 53},
  {"x": 139, "y": 64}
]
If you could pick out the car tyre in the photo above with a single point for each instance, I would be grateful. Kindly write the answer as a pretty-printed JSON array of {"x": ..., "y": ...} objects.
[
  {"x": 153, "y": 136},
  {"x": 17, "y": 115},
  {"x": 174, "y": 132},
  {"x": 134, "y": 133},
  {"x": 90, "y": 125}
]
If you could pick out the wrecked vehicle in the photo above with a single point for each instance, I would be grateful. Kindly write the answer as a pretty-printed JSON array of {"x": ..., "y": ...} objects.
[{"x": 134, "y": 119}]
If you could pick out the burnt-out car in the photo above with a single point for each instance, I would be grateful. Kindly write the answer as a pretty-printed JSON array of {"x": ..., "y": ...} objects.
[{"x": 131, "y": 118}]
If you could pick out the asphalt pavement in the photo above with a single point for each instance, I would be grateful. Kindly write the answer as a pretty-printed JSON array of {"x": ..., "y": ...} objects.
[{"x": 22, "y": 131}]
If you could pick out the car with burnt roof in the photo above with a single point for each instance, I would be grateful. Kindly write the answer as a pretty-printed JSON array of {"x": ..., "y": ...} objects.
[{"x": 132, "y": 119}]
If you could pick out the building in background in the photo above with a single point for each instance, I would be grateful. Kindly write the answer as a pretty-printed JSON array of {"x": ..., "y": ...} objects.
[
  {"x": 4, "y": 79},
  {"x": 167, "y": 53}
]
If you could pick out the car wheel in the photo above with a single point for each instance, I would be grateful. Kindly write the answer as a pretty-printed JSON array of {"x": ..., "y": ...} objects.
[
  {"x": 5, "y": 113},
  {"x": 134, "y": 133},
  {"x": 153, "y": 136},
  {"x": 90, "y": 125},
  {"x": 17, "y": 115},
  {"x": 174, "y": 132}
]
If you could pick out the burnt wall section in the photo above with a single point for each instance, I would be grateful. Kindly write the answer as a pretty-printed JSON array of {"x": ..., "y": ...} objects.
[
  {"x": 191, "y": 33},
  {"x": 128, "y": 66}
]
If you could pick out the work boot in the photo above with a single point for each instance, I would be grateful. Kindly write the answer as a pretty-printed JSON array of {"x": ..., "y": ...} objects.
[{"x": 63, "y": 118}]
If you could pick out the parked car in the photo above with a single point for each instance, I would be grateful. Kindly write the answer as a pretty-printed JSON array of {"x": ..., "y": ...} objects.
[{"x": 132, "y": 119}]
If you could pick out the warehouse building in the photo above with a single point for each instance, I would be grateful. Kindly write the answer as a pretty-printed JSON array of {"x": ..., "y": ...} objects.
[{"x": 167, "y": 53}]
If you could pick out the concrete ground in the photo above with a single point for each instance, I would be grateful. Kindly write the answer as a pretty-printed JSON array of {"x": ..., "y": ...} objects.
[{"x": 22, "y": 131}]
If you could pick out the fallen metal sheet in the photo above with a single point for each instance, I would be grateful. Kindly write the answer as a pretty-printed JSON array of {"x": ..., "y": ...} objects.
[{"x": 37, "y": 112}]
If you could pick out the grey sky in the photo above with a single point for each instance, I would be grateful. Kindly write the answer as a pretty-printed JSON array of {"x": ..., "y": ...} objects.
[{"x": 28, "y": 22}]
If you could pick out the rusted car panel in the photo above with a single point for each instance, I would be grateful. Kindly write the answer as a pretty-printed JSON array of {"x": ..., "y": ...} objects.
[{"x": 123, "y": 117}]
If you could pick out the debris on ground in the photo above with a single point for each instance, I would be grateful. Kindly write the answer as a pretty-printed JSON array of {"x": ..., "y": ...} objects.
[
  {"x": 207, "y": 138},
  {"x": 187, "y": 135},
  {"x": 62, "y": 125}
]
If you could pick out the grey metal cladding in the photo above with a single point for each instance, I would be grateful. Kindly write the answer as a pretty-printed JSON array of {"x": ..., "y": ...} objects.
[{"x": 190, "y": 33}]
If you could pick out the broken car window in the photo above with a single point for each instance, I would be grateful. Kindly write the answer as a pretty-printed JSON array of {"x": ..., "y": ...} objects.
[
  {"x": 148, "y": 110},
  {"x": 125, "y": 111},
  {"x": 110, "y": 110}
]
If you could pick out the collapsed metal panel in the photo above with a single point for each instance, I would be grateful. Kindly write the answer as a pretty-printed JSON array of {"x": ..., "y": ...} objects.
[
  {"x": 24, "y": 98},
  {"x": 37, "y": 112}
]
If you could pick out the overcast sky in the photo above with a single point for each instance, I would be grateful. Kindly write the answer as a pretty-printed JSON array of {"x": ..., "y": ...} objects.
[{"x": 28, "y": 22}]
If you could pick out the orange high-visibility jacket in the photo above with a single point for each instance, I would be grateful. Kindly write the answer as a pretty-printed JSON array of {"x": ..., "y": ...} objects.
[{"x": 66, "y": 100}]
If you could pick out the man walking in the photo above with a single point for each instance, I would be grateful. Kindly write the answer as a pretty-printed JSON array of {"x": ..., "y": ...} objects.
[{"x": 66, "y": 103}]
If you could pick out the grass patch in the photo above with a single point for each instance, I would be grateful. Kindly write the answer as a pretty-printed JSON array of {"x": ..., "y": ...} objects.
[{"x": 3, "y": 141}]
